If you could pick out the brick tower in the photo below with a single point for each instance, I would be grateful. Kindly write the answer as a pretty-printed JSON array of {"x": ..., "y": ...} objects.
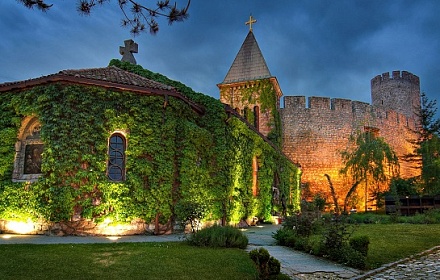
[{"x": 250, "y": 89}]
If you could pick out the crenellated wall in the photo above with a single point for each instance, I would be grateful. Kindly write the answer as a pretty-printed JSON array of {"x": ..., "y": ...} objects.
[
  {"x": 399, "y": 92},
  {"x": 315, "y": 134}
]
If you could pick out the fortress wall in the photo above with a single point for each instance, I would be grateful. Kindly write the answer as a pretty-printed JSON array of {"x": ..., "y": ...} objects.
[{"x": 315, "y": 135}]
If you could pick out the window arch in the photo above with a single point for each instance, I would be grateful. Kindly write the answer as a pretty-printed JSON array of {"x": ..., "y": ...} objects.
[
  {"x": 116, "y": 157},
  {"x": 28, "y": 151}
]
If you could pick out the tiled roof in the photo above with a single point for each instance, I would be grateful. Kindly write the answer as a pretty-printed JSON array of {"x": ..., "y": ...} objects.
[
  {"x": 108, "y": 77},
  {"x": 115, "y": 75},
  {"x": 249, "y": 64},
  {"x": 109, "y": 74}
]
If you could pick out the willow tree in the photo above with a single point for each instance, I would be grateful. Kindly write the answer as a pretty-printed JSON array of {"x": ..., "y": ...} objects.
[{"x": 370, "y": 160}]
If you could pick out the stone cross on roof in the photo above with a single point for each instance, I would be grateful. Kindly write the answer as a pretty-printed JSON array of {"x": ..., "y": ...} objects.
[
  {"x": 250, "y": 22},
  {"x": 128, "y": 50}
]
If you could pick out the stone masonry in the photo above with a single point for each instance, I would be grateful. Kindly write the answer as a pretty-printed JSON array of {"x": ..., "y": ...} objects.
[{"x": 315, "y": 134}]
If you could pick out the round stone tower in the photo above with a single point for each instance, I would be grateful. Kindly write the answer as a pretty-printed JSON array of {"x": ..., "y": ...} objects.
[{"x": 399, "y": 93}]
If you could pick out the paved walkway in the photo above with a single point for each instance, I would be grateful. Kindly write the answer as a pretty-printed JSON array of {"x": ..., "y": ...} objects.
[{"x": 296, "y": 264}]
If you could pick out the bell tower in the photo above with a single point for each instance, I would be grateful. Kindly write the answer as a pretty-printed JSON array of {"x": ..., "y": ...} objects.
[{"x": 250, "y": 89}]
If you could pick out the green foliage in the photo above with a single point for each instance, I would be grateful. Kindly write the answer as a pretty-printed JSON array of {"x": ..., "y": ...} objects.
[
  {"x": 283, "y": 235},
  {"x": 190, "y": 213},
  {"x": 370, "y": 159},
  {"x": 330, "y": 238},
  {"x": 360, "y": 243},
  {"x": 348, "y": 256},
  {"x": 393, "y": 242},
  {"x": 218, "y": 236},
  {"x": 21, "y": 202},
  {"x": 369, "y": 218},
  {"x": 426, "y": 151},
  {"x": 319, "y": 202},
  {"x": 175, "y": 157},
  {"x": 405, "y": 187},
  {"x": 430, "y": 151},
  {"x": 268, "y": 267},
  {"x": 336, "y": 232}
]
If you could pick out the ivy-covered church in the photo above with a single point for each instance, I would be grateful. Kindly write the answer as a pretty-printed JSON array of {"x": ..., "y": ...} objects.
[{"x": 122, "y": 150}]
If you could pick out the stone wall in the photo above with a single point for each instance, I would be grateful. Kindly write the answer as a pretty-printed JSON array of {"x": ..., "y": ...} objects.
[
  {"x": 82, "y": 227},
  {"x": 315, "y": 134}
]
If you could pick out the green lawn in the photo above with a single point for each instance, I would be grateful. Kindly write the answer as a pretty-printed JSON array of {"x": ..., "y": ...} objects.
[
  {"x": 173, "y": 260},
  {"x": 391, "y": 242}
]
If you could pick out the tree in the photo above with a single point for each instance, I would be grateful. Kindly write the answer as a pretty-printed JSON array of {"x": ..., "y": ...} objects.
[
  {"x": 136, "y": 15},
  {"x": 370, "y": 160},
  {"x": 427, "y": 146}
]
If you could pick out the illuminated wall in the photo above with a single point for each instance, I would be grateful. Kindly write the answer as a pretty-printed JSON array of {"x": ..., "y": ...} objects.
[{"x": 314, "y": 134}]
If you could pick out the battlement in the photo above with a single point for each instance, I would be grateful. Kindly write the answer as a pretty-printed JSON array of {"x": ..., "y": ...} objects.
[
  {"x": 396, "y": 76},
  {"x": 325, "y": 103},
  {"x": 319, "y": 108}
]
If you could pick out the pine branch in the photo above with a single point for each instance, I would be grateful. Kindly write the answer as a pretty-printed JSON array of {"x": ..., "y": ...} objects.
[{"x": 135, "y": 15}]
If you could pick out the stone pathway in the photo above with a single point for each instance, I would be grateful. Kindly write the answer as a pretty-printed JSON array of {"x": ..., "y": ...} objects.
[
  {"x": 296, "y": 264},
  {"x": 424, "y": 266}
]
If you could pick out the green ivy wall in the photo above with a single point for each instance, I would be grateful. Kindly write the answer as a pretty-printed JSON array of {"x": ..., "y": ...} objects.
[{"x": 174, "y": 157}]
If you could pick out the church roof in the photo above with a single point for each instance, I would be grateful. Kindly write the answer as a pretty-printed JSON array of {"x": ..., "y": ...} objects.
[
  {"x": 249, "y": 64},
  {"x": 108, "y": 77}
]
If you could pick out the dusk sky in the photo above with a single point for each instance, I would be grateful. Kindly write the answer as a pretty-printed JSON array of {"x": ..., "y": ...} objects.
[{"x": 327, "y": 48}]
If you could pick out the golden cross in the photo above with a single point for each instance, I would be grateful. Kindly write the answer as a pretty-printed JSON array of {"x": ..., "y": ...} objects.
[{"x": 251, "y": 20}]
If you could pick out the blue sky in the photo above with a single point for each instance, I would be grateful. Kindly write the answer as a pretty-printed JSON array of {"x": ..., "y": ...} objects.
[{"x": 313, "y": 47}]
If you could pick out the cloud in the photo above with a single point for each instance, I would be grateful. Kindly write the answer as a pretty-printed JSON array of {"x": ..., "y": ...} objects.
[{"x": 313, "y": 47}]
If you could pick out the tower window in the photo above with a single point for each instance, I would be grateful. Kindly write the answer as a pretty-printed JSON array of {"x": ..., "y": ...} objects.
[
  {"x": 116, "y": 157},
  {"x": 257, "y": 117}
]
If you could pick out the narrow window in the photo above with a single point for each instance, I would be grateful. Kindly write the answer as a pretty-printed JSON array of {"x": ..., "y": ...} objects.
[
  {"x": 116, "y": 157},
  {"x": 246, "y": 113},
  {"x": 257, "y": 117}
]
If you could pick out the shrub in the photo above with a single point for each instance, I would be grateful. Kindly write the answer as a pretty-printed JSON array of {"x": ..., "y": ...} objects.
[
  {"x": 369, "y": 218},
  {"x": 316, "y": 245},
  {"x": 218, "y": 236},
  {"x": 353, "y": 258},
  {"x": 268, "y": 267},
  {"x": 304, "y": 224},
  {"x": 360, "y": 244},
  {"x": 301, "y": 243},
  {"x": 336, "y": 233},
  {"x": 282, "y": 236},
  {"x": 190, "y": 213}
]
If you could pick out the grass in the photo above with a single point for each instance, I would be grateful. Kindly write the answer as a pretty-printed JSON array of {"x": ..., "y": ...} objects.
[
  {"x": 173, "y": 260},
  {"x": 391, "y": 242}
]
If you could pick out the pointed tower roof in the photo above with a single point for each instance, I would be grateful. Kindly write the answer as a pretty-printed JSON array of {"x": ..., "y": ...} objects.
[{"x": 249, "y": 64}]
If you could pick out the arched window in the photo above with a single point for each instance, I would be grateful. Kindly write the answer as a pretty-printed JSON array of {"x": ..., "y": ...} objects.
[
  {"x": 29, "y": 150},
  {"x": 116, "y": 157}
]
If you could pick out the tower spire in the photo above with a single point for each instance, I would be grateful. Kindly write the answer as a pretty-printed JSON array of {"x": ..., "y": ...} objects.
[{"x": 250, "y": 22}]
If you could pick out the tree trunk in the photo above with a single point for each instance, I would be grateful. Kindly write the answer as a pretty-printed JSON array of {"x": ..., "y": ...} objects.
[
  {"x": 350, "y": 192},
  {"x": 335, "y": 199}
]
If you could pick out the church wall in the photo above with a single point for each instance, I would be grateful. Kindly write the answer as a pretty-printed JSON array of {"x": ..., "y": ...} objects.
[{"x": 175, "y": 156}]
